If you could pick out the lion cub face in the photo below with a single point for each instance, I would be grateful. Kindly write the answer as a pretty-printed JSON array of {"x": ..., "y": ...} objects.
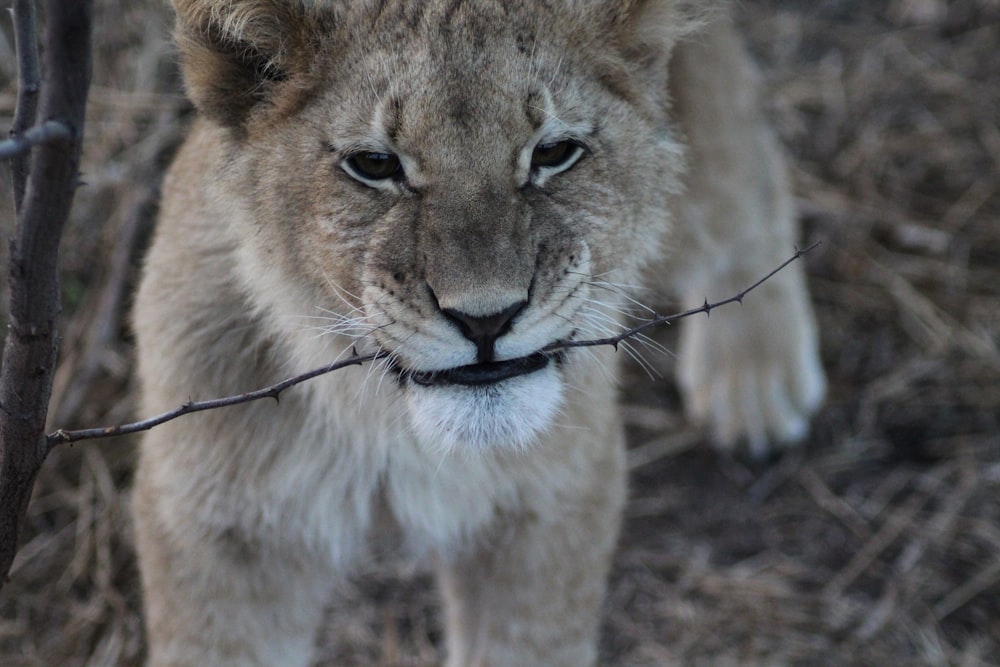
[{"x": 457, "y": 182}]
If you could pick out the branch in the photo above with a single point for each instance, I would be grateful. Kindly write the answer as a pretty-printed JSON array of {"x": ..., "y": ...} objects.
[
  {"x": 26, "y": 45},
  {"x": 29, "y": 354},
  {"x": 272, "y": 391},
  {"x": 62, "y": 436},
  {"x": 20, "y": 144},
  {"x": 706, "y": 308}
]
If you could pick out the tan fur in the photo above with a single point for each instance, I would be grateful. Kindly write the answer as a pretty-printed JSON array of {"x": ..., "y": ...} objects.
[{"x": 272, "y": 258}]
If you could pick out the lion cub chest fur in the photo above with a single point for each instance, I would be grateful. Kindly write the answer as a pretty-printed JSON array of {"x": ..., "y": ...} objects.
[{"x": 462, "y": 187}]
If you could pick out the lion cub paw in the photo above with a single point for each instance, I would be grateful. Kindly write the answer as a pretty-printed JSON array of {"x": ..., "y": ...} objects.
[{"x": 752, "y": 374}]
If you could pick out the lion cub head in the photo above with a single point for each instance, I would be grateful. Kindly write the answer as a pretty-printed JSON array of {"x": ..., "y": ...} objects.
[{"x": 460, "y": 184}]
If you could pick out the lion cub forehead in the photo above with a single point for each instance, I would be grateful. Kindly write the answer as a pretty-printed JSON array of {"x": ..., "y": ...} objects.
[
  {"x": 479, "y": 18},
  {"x": 494, "y": 77},
  {"x": 481, "y": 38}
]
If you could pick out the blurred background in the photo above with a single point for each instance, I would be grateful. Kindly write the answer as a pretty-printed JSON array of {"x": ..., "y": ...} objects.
[{"x": 877, "y": 543}]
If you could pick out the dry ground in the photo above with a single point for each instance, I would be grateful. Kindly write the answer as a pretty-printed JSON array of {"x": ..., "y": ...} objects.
[{"x": 877, "y": 544}]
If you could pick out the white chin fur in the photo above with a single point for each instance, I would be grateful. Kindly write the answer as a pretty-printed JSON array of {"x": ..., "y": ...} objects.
[{"x": 509, "y": 414}]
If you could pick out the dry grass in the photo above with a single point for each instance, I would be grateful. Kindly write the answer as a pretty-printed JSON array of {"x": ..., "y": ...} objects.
[{"x": 877, "y": 544}]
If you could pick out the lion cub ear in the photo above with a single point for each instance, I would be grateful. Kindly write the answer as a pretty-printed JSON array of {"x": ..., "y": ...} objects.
[
  {"x": 237, "y": 53},
  {"x": 647, "y": 30}
]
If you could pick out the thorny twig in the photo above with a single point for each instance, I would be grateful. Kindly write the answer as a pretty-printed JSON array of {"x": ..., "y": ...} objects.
[
  {"x": 273, "y": 391},
  {"x": 706, "y": 308}
]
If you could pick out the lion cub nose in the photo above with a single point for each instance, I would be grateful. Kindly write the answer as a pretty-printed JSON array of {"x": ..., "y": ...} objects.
[{"x": 486, "y": 329}]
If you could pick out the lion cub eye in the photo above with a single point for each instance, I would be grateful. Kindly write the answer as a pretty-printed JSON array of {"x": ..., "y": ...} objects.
[
  {"x": 555, "y": 155},
  {"x": 371, "y": 166}
]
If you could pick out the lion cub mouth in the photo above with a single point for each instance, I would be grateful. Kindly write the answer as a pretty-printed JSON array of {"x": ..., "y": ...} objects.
[{"x": 475, "y": 375}]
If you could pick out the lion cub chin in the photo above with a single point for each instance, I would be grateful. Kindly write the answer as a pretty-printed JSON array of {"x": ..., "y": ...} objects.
[
  {"x": 512, "y": 413},
  {"x": 465, "y": 188}
]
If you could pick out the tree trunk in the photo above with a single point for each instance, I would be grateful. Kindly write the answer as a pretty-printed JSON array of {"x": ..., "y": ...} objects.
[{"x": 29, "y": 356}]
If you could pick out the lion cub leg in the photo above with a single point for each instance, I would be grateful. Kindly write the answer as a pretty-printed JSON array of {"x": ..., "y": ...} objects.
[
  {"x": 751, "y": 374},
  {"x": 530, "y": 593},
  {"x": 216, "y": 597}
]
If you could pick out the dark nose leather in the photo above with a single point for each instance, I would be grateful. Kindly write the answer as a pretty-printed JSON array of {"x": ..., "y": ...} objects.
[{"x": 484, "y": 330}]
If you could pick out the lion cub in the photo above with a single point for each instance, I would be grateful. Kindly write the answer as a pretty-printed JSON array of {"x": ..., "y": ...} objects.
[{"x": 458, "y": 185}]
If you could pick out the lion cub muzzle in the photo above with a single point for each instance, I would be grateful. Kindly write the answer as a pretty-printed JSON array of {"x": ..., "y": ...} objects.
[
  {"x": 484, "y": 332},
  {"x": 470, "y": 342}
]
